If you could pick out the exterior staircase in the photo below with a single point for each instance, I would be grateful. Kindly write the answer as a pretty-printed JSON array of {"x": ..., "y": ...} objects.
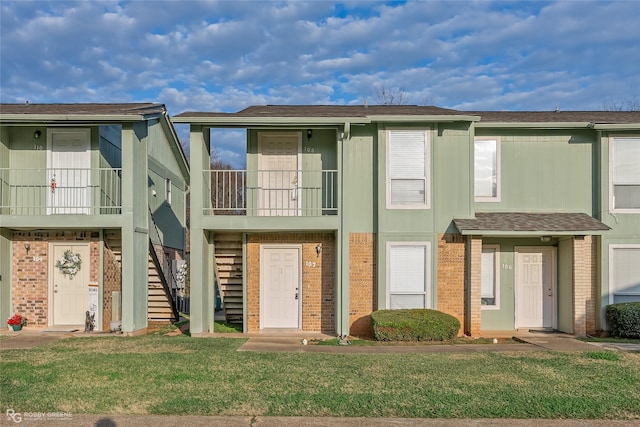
[
  {"x": 158, "y": 300},
  {"x": 228, "y": 272}
]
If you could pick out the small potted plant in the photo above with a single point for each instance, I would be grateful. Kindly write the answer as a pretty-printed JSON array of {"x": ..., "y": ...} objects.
[{"x": 16, "y": 322}]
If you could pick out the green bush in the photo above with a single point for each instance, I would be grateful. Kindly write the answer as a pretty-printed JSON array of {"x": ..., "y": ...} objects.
[
  {"x": 413, "y": 325},
  {"x": 624, "y": 319}
]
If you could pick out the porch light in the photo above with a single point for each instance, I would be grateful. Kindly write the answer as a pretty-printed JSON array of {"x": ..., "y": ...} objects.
[
  {"x": 27, "y": 247},
  {"x": 319, "y": 249},
  {"x": 545, "y": 238},
  {"x": 309, "y": 134},
  {"x": 37, "y": 134}
]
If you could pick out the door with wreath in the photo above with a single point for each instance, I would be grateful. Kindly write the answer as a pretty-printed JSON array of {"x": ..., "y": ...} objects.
[{"x": 69, "y": 268}]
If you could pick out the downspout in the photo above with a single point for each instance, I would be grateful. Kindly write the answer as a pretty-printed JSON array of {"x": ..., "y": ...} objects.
[{"x": 345, "y": 136}]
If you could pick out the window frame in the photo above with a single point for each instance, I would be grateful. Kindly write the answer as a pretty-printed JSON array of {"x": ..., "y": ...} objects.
[
  {"x": 612, "y": 184},
  {"x": 496, "y": 278},
  {"x": 427, "y": 272},
  {"x": 497, "y": 197},
  {"x": 612, "y": 249},
  {"x": 427, "y": 174},
  {"x": 167, "y": 190}
]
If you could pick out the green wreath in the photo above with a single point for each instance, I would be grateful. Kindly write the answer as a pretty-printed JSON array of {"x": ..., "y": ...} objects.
[{"x": 69, "y": 264}]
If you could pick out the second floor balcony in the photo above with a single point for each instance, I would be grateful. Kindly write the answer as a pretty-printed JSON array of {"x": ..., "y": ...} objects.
[
  {"x": 269, "y": 193},
  {"x": 60, "y": 191}
]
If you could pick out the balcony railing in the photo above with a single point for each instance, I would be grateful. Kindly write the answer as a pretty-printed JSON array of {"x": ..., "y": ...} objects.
[
  {"x": 271, "y": 193},
  {"x": 57, "y": 191}
]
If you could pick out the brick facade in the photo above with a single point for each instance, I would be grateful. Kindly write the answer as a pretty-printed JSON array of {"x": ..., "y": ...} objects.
[
  {"x": 112, "y": 281},
  {"x": 451, "y": 276},
  {"x": 30, "y": 278},
  {"x": 318, "y": 278},
  {"x": 362, "y": 283},
  {"x": 584, "y": 285}
]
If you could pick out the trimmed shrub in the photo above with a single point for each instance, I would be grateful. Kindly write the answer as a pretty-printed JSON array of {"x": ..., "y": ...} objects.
[
  {"x": 413, "y": 325},
  {"x": 624, "y": 319}
]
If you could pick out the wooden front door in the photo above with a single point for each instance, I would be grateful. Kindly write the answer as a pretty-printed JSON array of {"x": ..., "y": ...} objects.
[
  {"x": 535, "y": 287},
  {"x": 70, "y": 295},
  {"x": 280, "y": 290}
]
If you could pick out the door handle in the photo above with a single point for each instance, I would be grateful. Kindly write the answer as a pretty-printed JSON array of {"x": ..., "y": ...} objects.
[
  {"x": 296, "y": 295},
  {"x": 550, "y": 293}
]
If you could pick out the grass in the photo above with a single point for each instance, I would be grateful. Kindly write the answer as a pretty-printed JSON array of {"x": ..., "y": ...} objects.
[
  {"x": 157, "y": 374},
  {"x": 225, "y": 328},
  {"x": 612, "y": 339}
]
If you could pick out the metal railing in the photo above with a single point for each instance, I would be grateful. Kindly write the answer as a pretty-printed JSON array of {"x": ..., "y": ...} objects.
[
  {"x": 52, "y": 191},
  {"x": 271, "y": 193}
]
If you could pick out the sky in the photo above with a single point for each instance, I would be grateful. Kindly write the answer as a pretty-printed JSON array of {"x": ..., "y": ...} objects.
[{"x": 228, "y": 55}]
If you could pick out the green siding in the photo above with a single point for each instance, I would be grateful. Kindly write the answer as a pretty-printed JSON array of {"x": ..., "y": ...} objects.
[
  {"x": 5, "y": 274},
  {"x": 543, "y": 171},
  {"x": 565, "y": 286}
]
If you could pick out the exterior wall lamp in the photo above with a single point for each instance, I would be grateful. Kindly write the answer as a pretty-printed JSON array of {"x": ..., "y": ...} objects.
[
  {"x": 37, "y": 134},
  {"x": 319, "y": 249},
  {"x": 27, "y": 247},
  {"x": 309, "y": 134}
]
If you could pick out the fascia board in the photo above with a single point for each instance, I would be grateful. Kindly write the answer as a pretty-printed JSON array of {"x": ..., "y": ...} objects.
[
  {"x": 509, "y": 233},
  {"x": 268, "y": 121},
  {"x": 617, "y": 126},
  {"x": 75, "y": 118},
  {"x": 425, "y": 118}
]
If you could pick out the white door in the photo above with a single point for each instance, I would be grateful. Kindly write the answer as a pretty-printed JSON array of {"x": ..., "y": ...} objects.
[
  {"x": 278, "y": 176},
  {"x": 535, "y": 287},
  {"x": 69, "y": 162},
  {"x": 70, "y": 295},
  {"x": 280, "y": 290}
]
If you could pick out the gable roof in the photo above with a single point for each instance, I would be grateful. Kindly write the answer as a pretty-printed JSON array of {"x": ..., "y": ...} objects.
[
  {"x": 596, "y": 117},
  {"x": 80, "y": 112},
  {"x": 530, "y": 223}
]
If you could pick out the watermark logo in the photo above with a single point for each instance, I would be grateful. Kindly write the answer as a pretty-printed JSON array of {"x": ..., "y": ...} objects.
[
  {"x": 14, "y": 416},
  {"x": 18, "y": 417}
]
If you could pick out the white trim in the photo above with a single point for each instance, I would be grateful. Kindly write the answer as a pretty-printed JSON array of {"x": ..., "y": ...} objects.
[
  {"x": 554, "y": 287},
  {"x": 167, "y": 190},
  {"x": 427, "y": 284},
  {"x": 298, "y": 247},
  {"x": 496, "y": 279},
  {"x": 497, "y": 197},
  {"x": 612, "y": 207},
  {"x": 428, "y": 172},
  {"x": 612, "y": 248}
]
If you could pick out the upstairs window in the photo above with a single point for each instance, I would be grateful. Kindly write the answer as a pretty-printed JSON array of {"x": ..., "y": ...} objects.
[
  {"x": 407, "y": 169},
  {"x": 487, "y": 171},
  {"x": 625, "y": 164}
]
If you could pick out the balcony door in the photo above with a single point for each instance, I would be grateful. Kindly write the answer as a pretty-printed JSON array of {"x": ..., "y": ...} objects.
[
  {"x": 278, "y": 174},
  {"x": 69, "y": 162}
]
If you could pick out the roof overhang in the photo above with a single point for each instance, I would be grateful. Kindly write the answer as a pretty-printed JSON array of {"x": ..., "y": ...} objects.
[
  {"x": 535, "y": 125},
  {"x": 512, "y": 224},
  {"x": 73, "y": 118},
  {"x": 617, "y": 126}
]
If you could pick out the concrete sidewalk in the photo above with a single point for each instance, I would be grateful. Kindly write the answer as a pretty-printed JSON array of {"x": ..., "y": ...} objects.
[{"x": 262, "y": 421}]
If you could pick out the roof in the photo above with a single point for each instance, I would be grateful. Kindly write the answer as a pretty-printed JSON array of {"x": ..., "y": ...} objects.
[
  {"x": 530, "y": 223},
  {"x": 80, "y": 112},
  {"x": 596, "y": 117},
  {"x": 323, "y": 114}
]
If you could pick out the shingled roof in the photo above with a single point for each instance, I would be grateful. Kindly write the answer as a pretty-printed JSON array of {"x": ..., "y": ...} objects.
[
  {"x": 596, "y": 117},
  {"x": 544, "y": 223},
  {"x": 132, "y": 109}
]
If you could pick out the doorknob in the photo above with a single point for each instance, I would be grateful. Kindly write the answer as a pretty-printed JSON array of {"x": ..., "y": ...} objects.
[
  {"x": 296, "y": 295},
  {"x": 550, "y": 293}
]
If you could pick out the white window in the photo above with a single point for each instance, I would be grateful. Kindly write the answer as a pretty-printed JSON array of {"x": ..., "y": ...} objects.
[
  {"x": 487, "y": 170},
  {"x": 490, "y": 288},
  {"x": 625, "y": 174},
  {"x": 624, "y": 273},
  {"x": 168, "y": 190},
  {"x": 407, "y": 169},
  {"x": 408, "y": 275}
]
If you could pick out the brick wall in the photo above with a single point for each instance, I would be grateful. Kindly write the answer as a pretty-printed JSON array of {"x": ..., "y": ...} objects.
[
  {"x": 362, "y": 283},
  {"x": 30, "y": 278},
  {"x": 451, "y": 276},
  {"x": 318, "y": 279},
  {"x": 584, "y": 285}
]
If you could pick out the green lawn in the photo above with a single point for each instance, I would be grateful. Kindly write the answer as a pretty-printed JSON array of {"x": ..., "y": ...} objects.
[{"x": 182, "y": 375}]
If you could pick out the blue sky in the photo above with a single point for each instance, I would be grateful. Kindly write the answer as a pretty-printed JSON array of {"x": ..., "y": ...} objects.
[{"x": 227, "y": 55}]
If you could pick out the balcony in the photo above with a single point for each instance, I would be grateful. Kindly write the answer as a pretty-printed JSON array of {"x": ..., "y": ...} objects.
[
  {"x": 271, "y": 192},
  {"x": 32, "y": 192}
]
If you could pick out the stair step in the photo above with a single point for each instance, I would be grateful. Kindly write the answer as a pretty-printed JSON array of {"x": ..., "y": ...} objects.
[{"x": 228, "y": 236}]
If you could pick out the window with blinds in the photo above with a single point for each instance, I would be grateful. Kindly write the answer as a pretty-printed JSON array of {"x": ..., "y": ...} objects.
[
  {"x": 624, "y": 268},
  {"x": 490, "y": 281},
  {"x": 625, "y": 162},
  {"x": 407, "y": 275},
  {"x": 407, "y": 169}
]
